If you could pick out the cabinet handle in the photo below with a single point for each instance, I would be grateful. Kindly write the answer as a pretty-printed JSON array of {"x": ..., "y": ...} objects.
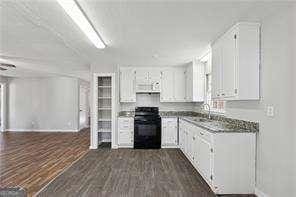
[
  {"x": 223, "y": 94},
  {"x": 193, "y": 138},
  {"x": 218, "y": 94},
  {"x": 201, "y": 133}
]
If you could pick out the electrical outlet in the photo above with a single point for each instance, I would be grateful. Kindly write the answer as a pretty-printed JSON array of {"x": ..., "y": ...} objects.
[
  {"x": 270, "y": 111},
  {"x": 69, "y": 124}
]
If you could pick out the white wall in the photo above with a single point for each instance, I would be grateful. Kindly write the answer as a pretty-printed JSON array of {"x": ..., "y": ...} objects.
[
  {"x": 276, "y": 166},
  {"x": 43, "y": 104}
]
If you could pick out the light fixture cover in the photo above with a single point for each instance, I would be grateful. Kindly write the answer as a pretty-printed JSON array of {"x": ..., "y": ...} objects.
[
  {"x": 73, "y": 10},
  {"x": 8, "y": 65}
]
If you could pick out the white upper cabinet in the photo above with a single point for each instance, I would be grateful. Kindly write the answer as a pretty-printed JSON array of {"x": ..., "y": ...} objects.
[
  {"x": 173, "y": 85},
  {"x": 142, "y": 77},
  {"x": 127, "y": 85},
  {"x": 195, "y": 78},
  {"x": 167, "y": 85},
  {"x": 180, "y": 84},
  {"x": 147, "y": 80},
  {"x": 229, "y": 64},
  {"x": 216, "y": 70},
  {"x": 235, "y": 63}
]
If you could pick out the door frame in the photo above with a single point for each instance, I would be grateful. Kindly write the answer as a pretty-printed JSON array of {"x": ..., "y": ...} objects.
[
  {"x": 94, "y": 110},
  {"x": 85, "y": 90},
  {"x": 3, "y": 107}
]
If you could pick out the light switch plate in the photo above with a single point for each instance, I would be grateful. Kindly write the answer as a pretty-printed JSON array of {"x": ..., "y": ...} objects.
[{"x": 270, "y": 111}]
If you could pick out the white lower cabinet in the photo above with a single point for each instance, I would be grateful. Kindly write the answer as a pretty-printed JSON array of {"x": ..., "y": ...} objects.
[
  {"x": 204, "y": 163},
  {"x": 125, "y": 132},
  {"x": 169, "y": 132},
  {"x": 226, "y": 161},
  {"x": 181, "y": 136}
]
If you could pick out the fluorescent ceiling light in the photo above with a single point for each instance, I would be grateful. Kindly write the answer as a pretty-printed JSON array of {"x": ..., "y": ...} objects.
[{"x": 74, "y": 11}]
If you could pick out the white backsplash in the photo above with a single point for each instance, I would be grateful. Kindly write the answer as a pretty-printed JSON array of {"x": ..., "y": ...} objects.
[{"x": 153, "y": 100}]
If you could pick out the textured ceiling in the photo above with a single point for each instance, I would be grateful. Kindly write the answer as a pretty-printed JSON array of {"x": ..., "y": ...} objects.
[{"x": 38, "y": 35}]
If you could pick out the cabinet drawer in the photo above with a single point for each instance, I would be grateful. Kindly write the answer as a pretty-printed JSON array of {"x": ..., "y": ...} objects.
[
  {"x": 126, "y": 123},
  {"x": 125, "y": 137},
  {"x": 204, "y": 134}
]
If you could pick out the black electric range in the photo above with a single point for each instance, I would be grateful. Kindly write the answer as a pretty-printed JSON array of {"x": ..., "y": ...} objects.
[{"x": 147, "y": 128}]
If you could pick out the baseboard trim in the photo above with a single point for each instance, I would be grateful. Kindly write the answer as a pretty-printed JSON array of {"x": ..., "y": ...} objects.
[
  {"x": 42, "y": 130},
  {"x": 105, "y": 140},
  {"x": 169, "y": 146},
  {"x": 92, "y": 147},
  {"x": 125, "y": 146},
  {"x": 260, "y": 193}
]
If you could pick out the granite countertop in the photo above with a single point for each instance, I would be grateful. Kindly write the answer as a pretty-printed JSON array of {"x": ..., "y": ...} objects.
[
  {"x": 126, "y": 114},
  {"x": 217, "y": 123},
  {"x": 161, "y": 113},
  {"x": 216, "y": 126}
]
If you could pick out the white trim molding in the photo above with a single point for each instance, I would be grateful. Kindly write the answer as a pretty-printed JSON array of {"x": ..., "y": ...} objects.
[
  {"x": 260, "y": 193},
  {"x": 3, "y": 104},
  {"x": 93, "y": 148},
  {"x": 94, "y": 109}
]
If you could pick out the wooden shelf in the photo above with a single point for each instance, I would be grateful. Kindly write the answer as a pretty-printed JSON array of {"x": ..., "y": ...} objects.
[
  {"x": 104, "y": 130},
  {"x": 104, "y": 108},
  {"x": 104, "y": 86},
  {"x": 104, "y": 120}
]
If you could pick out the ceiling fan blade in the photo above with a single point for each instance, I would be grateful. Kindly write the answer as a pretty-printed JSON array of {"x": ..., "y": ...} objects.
[
  {"x": 8, "y": 65},
  {"x": 2, "y": 69}
]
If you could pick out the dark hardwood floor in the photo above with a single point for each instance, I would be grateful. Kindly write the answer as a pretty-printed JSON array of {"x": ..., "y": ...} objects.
[
  {"x": 35, "y": 161},
  {"x": 128, "y": 172},
  {"x": 31, "y": 160}
]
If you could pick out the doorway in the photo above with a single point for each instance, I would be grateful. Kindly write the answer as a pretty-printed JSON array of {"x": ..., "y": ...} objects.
[{"x": 83, "y": 107}]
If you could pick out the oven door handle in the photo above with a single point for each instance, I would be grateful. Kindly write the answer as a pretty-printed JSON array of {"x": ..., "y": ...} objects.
[{"x": 143, "y": 121}]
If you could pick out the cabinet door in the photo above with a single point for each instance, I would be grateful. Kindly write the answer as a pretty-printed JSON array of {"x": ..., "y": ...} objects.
[
  {"x": 198, "y": 81},
  {"x": 127, "y": 85},
  {"x": 181, "y": 135},
  {"x": 154, "y": 76},
  {"x": 167, "y": 86},
  {"x": 180, "y": 84},
  {"x": 229, "y": 64},
  {"x": 185, "y": 130},
  {"x": 189, "y": 83},
  {"x": 194, "y": 148},
  {"x": 125, "y": 137},
  {"x": 204, "y": 158},
  {"x": 216, "y": 69},
  {"x": 169, "y": 132},
  {"x": 142, "y": 77},
  {"x": 188, "y": 141}
]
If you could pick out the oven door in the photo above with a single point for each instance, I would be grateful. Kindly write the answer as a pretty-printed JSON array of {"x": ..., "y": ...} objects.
[{"x": 147, "y": 133}]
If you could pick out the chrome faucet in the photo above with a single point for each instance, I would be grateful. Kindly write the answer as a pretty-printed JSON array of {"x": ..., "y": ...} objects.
[{"x": 209, "y": 108}]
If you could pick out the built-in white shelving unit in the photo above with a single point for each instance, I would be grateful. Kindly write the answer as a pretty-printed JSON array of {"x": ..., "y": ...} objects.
[{"x": 103, "y": 112}]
